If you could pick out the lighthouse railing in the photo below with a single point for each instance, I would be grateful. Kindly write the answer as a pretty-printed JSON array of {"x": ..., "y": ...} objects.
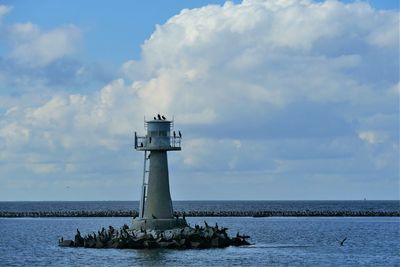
[{"x": 157, "y": 142}]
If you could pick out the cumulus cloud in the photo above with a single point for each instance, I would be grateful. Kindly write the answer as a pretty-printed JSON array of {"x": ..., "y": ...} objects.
[
  {"x": 36, "y": 49},
  {"x": 35, "y": 59},
  {"x": 266, "y": 89},
  {"x": 280, "y": 54},
  {"x": 371, "y": 137},
  {"x": 32, "y": 47},
  {"x": 3, "y": 11}
]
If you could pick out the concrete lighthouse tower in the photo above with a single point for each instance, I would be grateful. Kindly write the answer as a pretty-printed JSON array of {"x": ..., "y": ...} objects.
[{"x": 156, "y": 210}]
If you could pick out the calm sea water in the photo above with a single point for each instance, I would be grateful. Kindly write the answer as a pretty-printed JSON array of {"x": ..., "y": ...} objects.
[
  {"x": 278, "y": 241},
  {"x": 371, "y": 241}
]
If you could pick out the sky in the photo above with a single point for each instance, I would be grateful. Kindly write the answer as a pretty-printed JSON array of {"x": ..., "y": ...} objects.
[{"x": 276, "y": 99}]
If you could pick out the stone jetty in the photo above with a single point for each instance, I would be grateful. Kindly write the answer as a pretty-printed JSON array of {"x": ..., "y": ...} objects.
[
  {"x": 197, "y": 237},
  {"x": 264, "y": 213}
]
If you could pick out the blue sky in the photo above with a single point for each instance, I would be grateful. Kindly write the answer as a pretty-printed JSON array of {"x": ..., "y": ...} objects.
[{"x": 276, "y": 99}]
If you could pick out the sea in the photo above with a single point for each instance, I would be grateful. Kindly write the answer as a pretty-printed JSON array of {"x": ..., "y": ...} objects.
[{"x": 275, "y": 241}]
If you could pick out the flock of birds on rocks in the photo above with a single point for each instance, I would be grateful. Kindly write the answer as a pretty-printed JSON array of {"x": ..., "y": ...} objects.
[{"x": 179, "y": 238}]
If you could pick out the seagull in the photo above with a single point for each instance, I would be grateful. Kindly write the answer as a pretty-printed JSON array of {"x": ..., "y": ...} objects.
[
  {"x": 163, "y": 117},
  {"x": 342, "y": 242},
  {"x": 159, "y": 116},
  {"x": 180, "y": 135}
]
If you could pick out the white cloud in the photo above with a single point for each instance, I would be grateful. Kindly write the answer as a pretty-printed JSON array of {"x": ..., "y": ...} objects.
[
  {"x": 259, "y": 52},
  {"x": 3, "y": 11},
  {"x": 275, "y": 88},
  {"x": 36, "y": 60},
  {"x": 371, "y": 137},
  {"x": 33, "y": 48},
  {"x": 14, "y": 134},
  {"x": 23, "y": 32}
]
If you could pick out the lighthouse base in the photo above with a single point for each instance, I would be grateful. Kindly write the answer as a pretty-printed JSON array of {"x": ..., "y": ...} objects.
[{"x": 157, "y": 224}]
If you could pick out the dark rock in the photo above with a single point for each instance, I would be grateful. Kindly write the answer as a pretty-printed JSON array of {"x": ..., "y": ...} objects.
[
  {"x": 165, "y": 244},
  {"x": 195, "y": 244},
  {"x": 90, "y": 243},
  {"x": 66, "y": 243},
  {"x": 219, "y": 242},
  {"x": 150, "y": 244},
  {"x": 99, "y": 244}
]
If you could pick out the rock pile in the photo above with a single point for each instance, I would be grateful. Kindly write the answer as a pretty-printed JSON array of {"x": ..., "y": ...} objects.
[{"x": 180, "y": 238}]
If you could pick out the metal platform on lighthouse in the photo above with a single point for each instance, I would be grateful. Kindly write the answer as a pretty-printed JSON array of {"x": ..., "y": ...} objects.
[{"x": 156, "y": 211}]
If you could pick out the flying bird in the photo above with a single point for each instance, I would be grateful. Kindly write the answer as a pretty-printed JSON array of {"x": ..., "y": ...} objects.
[{"x": 342, "y": 242}]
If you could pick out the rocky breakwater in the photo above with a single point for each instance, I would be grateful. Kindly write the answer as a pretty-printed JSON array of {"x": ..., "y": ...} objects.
[
  {"x": 233, "y": 213},
  {"x": 197, "y": 237}
]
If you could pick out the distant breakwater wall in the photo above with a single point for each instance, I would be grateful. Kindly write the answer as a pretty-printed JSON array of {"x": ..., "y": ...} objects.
[{"x": 305, "y": 213}]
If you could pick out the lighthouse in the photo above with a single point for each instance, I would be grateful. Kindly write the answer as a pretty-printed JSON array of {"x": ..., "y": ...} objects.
[{"x": 156, "y": 211}]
